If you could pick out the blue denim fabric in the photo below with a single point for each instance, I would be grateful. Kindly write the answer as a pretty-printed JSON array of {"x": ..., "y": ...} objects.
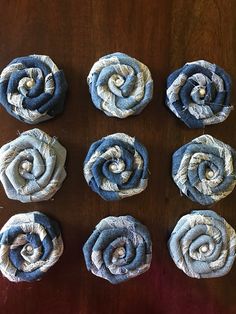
[
  {"x": 32, "y": 166},
  {"x": 30, "y": 244},
  {"x": 119, "y": 248},
  {"x": 205, "y": 169},
  {"x": 199, "y": 94},
  {"x": 120, "y": 85},
  {"x": 33, "y": 89},
  {"x": 116, "y": 167},
  {"x": 203, "y": 245}
]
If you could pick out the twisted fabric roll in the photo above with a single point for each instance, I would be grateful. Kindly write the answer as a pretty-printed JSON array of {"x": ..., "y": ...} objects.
[
  {"x": 32, "y": 89},
  {"x": 32, "y": 166},
  {"x": 203, "y": 245},
  {"x": 116, "y": 167},
  {"x": 199, "y": 94},
  {"x": 120, "y": 85},
  {"x": 205, "y": 169},
  {"x": 30, "y": 244},
  {"x": 120, "y": 248}
]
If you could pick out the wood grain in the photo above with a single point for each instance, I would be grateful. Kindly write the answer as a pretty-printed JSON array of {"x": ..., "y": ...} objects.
[{"x": 163, "y": 34}]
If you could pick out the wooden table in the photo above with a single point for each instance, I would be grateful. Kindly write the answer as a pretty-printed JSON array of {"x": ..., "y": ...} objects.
[{"x": 164, "y": 35}]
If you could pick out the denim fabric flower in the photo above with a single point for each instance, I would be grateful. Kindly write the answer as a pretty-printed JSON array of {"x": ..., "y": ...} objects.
[
  {"x": 203, "y": 245},
  {"x": 116, "y": 167},
  {"x": 32, "y": 89},
  {"x": 119, "y": 248},
  {"x": 30, "y": 244},
  {"x": 205, "y": 169},
  {"x": 199, "y": 94},
  {"x": 120, "y": 86},
  {"x": 32, "y": 166}
]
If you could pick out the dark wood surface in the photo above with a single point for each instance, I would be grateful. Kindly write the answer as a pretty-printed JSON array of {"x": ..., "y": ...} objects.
[{"x": 163, "y": 35}]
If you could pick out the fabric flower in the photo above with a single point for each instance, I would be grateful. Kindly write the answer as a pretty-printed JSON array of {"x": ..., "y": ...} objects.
[
  {"x": 119, "y": 248},
  {"x": 32, "y": 89},
  {"x": 199, "y": 94},
  {"x": 32, "y": 166},
  {"x": 116, "y": 167},
  {"x": 205, "y": 169},
  {"x": 203, "y": 245},
  {"x": 120, "y": 85},
  {"x": 30, "y": 244}
]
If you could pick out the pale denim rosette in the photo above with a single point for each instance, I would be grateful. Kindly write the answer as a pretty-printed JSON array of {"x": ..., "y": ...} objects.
[
  {"x": 116, "y": 167},
  {"x": 32, "y": 166},
  {"x": 119, "y": 248},
  {"x": 32, "y": 88},
  {"x": 205, "y": 169},
  {"x": 120, "y": 86},
  {"x": 30, "y": 244},
  {"x": 199, "y": 94},
  {"x": 203, "y": 245}
]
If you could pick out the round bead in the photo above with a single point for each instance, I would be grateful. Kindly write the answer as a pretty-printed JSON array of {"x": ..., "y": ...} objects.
[
  {"x": 30, "y": 83},
  {"x": 202, "y": 92},
  {"x": 209, "y": 174},
  {"x": 204, "y": 248}
]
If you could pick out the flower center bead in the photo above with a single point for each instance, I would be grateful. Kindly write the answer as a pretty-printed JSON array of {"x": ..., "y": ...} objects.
[
  {"x": 30, "y": 83},
  {"x": 26, "y": 166},
  {"x": 202, "y": 92},
  {"x": 119, "y": 81},
  {"x": 29, "y": 249},
  {"x": 209, "y": 174},
  {"x": 117, "y": 166},
  {"x": 204, "y": 248},
  {"x": 121, "y": 252}
]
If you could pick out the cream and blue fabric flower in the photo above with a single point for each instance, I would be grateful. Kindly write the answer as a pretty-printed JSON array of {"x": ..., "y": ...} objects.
[
  {"x": 203, "y": 245},
  {"x": 199, "y": 94},
  {"x": 30, "y": 244},
  {"x": 33, "y": 89},
  {"x": 116, "y": 167},
  {"x": 120, "y": 86},
  {"x": 205, "y": 169},
  {"x": 32, "y": 166},
  {"x": 119, "y": 248}
]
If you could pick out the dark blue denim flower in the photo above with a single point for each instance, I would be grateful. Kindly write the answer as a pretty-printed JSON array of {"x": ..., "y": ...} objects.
[
  {"x": 120, "y": 248},
  {"x": 116, "y": 167},
  {"x": 30, "y": 244},
  {"x": 199, "y": 94},
  {"x": 32, "y": 89}
]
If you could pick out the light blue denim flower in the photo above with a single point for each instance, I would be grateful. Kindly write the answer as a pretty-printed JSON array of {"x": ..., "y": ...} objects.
[
  {"x": 30, "y": 244},
  {"x": 116, "y": 167},
  {"x": 120, "y": 248},
  {"x": 32, "y": 89},
  {"x": 205, "y": 169},
  {"x": 203, "y": 245},
  {"x": 120, "y": 85},
  {"x": 32, "y": 166},
  {"x": 199, "y": 94}
]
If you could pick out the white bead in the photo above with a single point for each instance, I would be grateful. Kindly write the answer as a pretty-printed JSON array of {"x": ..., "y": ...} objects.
[
  {"x": 204, "y": 248},
  {"x": 121, "y": 252},
  {"x": 209, "y": 174},
  {"x": 26, "y": 165},
  {"x": 30, "y": 83},
  {"x": 202, "y": 92},
  {"x": 29, "y": 248}
]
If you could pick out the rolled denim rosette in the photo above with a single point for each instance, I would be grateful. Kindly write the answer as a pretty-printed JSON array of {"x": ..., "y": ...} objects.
[
  {"x": 203, "y": 245},
  {"x": 120, "y": 86},
  {"x": 33, "y": 89},
  {"x": 199, "y": 94},
  {"x": 119, "y": 248},
  {"x": 30, "y": 244},
  {"x": 116, "y": 167},
  {"x": 205, "y": 169},
  {"x": 32, "y": 166}
]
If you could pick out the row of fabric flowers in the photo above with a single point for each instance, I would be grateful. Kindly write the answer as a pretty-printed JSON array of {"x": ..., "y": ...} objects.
[
  {"x": 33, "y": 89},
  {"x": 32, "y": 169},
  {"x": 202, "y": 245}
]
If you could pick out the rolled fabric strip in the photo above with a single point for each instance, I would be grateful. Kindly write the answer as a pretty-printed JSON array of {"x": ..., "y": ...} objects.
[
  {"x": 203, "y": 245},
  {"x": 199, "y": 94},
  {"x": 32, "y": 166},
  {"x": 119, "y": 85},
  {"x": 116, "y": 167},
  {"x": 205, "y": 169},
  {"x": 30, "y": 244},
  {"x": 119, "y": 248},
  {"x": 32, "y": 89}
]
